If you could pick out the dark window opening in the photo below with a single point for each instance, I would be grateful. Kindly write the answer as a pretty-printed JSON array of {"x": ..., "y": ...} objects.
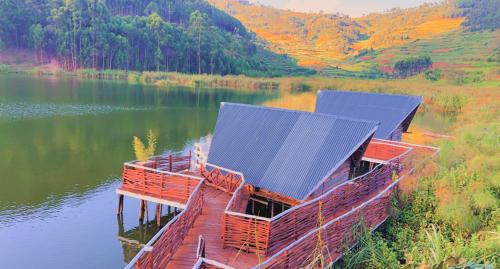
[
  {"x": 265, "y": 207},
  {"x": 363, "y": 168}
]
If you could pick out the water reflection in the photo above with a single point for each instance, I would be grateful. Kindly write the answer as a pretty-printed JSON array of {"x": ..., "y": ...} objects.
[
  {"x": 60, "y": 169},
  {"x": 132, "y": 240}
]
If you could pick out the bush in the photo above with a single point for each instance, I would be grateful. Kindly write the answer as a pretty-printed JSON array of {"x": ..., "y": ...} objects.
[
  {"x": 433, "y": 75},
  {"x": 4, "y": 68}
]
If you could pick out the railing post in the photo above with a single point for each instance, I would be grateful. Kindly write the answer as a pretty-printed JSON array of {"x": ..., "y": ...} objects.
[
  {"x": 170, "y": 163},
  {"x": 189, "y": 167}
]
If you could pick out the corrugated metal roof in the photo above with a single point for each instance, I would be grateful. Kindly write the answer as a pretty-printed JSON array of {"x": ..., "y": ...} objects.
[
  {"x": 285, "y": 151},
  {"x": 389, "y": 109}
]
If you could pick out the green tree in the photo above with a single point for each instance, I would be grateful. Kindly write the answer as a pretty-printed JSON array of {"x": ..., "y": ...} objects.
[
  {"x": 197, "y": 24},
  {"x": 37, "y": 38}
]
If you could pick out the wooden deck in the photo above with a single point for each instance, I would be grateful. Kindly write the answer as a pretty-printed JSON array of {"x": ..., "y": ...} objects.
[{"x": 209, "y": 225}]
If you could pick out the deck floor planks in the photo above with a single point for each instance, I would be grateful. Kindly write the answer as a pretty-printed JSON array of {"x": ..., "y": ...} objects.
[{"x": 209, "y": 225}]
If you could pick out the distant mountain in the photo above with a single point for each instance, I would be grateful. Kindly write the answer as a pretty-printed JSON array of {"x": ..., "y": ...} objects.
[
  {"x": 322, "y": 40},
  {"x": 188, "y": 36}
]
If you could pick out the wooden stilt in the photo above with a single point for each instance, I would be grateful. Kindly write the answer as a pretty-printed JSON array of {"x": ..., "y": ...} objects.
[
  {"x": 120, "y": 204},
  {"x": 168, "y": 210},
  {"x": 141, "y": 210},
  {"x": 158, "y": 214},
  {"x": 146, "y": 210}
]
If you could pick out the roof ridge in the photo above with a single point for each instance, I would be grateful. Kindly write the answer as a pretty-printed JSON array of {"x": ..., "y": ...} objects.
[{"x": 302, "y": 112}]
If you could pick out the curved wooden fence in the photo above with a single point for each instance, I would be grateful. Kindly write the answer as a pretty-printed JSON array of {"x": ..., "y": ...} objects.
[
  {"x": 294, "y": 223},
  {"x": 242, "y": 231},
  {"x": 269, "y": 235},
  {"x": 160, "y": 249},
  {"x": 328, "y": 241}
]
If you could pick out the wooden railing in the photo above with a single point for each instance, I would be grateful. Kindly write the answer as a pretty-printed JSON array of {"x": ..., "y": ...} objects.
[
  {"x": 160, "y": 249},
  {"x": 292, "y": 224},
  {"x": 338, "y": 232},
  {"x": 246, "y": 232},
  {"x": 268, "y": 235},
  {"x": 174, "y": 162},
  {"x": 221, "y": 178},
  {"x": 150, "y": 179}
]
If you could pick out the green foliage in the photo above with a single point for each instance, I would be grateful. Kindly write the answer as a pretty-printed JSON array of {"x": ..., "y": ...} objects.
[
  {"x": 370, "y": 252},
  {"x": 495, "y": 56},
  {"x": 433, "y": 75},
  {"x": 187, "y": 36},
  {"x": 481, "y": 14},
  {"x": 4, "y": 68},
  {"x": 449, "y": 103},
  {"x": 412, "y": 66},
  {"x": 143, "y": 153},
  {"x": 36, "y": 36},
  {"x": 452, "y": 219}
]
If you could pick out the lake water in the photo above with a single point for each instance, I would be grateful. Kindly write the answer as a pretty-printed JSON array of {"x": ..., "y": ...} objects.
[{"x": 62, "y": 145}]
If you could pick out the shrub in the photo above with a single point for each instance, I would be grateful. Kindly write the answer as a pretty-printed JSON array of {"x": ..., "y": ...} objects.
[
  {"x": 143, "y": 153},
  {"x": 433, "y": 75}
]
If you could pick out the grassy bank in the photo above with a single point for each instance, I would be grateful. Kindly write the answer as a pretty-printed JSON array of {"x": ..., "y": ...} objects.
[{"x": 449, "y": 216}]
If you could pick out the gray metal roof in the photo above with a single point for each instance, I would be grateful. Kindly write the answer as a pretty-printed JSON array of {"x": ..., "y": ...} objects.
[
  {"x": 390, "y": 110},
  {"x": 285, "y": 151}
]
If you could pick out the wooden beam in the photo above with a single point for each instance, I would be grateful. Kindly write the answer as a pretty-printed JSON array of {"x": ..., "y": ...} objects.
[{"x": 150, "y": 199}]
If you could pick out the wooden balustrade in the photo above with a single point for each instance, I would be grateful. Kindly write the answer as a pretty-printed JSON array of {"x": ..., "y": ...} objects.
[
  {"x": 337, "y": 233},
  {"x": 169, "y": 239},
  {"x": 157, "y": 178},
  {"x": 172, "y": 163},
  {"x": 292, "y": 224},
  {"x": 268, "y": 236},
  {"x": 221, "y": 178}
]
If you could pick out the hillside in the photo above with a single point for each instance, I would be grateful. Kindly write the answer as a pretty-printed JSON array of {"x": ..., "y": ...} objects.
[
  {"x": 313, "y": 39},
  {"x": 321, "y": 40},
  {"x": 188, "y": 36}
]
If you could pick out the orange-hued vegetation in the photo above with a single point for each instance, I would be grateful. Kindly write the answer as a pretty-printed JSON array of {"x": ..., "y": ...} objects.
[
  {"x": 322, "y": 40},
  {"x": 313, "y": 39},
  {"x": 401, "y": 26}
]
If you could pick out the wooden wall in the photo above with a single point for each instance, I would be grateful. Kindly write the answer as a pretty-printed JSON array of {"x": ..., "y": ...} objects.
[{"x": 340, "y": 176}]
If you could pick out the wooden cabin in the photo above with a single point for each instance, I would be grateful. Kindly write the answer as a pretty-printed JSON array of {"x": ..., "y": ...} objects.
[
  {"x": 280, "y": 189},
  {"x": 394, "y": 112}
]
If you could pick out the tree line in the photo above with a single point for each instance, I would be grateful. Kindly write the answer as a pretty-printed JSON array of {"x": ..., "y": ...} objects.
[
  {"x": 187, "y": 36},
  {"x": 480, "y": 14},
  {"x": 412, "y": 66}
]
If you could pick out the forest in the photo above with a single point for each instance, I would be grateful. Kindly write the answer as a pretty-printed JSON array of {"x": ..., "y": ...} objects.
[
  {"x": 188, "y": 36},
  {"x": 481, "y": 14}
]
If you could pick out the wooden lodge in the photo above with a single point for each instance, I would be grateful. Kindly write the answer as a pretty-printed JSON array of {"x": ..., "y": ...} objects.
[{"x": 279, "y": 189}]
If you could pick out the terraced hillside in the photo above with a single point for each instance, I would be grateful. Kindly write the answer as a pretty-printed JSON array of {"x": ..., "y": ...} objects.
[
  {"x": 458, "y": 56},
  {"x": 324, "y": 40},
  {"x": 313, "y": 39}
]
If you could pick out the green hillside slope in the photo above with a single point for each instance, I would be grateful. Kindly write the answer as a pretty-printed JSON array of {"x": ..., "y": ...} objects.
[{"x": 188, "y": 36}]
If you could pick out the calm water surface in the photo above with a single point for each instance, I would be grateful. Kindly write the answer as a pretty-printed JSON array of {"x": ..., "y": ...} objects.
[{"x": 62, "y": 145}]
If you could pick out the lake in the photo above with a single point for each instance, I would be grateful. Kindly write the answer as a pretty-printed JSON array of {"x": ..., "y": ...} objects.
[{"x": 62, "y": 145}]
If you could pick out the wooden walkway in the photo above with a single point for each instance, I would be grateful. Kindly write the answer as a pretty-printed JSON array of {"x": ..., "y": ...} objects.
[{"x": 209, "y": 225}]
